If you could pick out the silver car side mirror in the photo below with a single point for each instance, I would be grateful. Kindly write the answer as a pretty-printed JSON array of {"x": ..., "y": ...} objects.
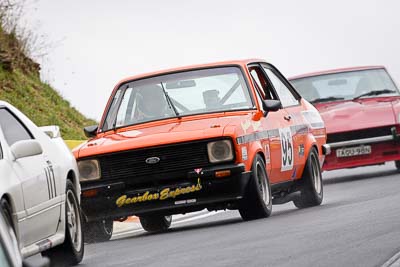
[{"x": 26, "y": 148}]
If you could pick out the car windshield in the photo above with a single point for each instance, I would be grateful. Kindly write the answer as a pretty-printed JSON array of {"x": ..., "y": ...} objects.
[
  {"x": 346, "y": 85},
  {"x": 177, "y": 95}
]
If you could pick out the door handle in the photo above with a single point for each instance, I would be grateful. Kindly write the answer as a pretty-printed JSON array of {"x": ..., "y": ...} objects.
[{"x": 287, "y": 117}]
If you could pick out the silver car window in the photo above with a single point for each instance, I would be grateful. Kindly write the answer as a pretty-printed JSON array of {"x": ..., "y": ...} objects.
[{"x": 13, "y": 129}]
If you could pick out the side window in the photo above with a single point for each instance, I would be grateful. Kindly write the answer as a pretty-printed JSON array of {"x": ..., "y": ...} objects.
[
  {"x": 257, "y": 83},
  {"x": 13, "y": 130},
  {"x": 111, "y": 112},
  {"x": 259, "y": 98},
  {"x": 124, "y": 114},
  {"x": 262, "y": 83},
  {"x": 285, "y": 95}
]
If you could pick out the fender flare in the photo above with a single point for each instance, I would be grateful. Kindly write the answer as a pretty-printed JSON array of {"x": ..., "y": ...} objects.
[{"x": 254, "y": 149}]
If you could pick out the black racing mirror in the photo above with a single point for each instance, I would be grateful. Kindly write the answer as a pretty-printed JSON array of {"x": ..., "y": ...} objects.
[
  {"x": 90, "y": 131},
  {"x": 271, "y": 105},
  {"x": 337, "y": 82},
  {"x": 180, "y": 84}
]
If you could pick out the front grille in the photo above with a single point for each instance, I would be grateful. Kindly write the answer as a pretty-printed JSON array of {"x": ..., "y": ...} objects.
[
  {"x": 359, "y": 134},
  {"x": 175, "y": 161}
]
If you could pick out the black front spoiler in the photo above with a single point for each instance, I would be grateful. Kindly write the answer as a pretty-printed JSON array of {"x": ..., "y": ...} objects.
[{"x": 202, "y": 189}]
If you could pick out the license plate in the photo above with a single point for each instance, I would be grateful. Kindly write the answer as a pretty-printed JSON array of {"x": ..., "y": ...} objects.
[{"x": 353, "y": 151}]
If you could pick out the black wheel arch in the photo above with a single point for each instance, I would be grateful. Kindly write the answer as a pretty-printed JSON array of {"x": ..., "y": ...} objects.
[
  {"x": 11, "y": 204},
  {"x": 261, "y": 154},
  {"x": 11, "y": 210},
  {"x": 72, "y": 177},
  {"x": 313, "y": 145}
]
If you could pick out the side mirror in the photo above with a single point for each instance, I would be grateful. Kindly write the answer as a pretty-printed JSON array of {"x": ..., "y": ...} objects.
[
  {"x": 26, "y": 148},
  {"x": 52, "y": 131},
  {"x": 271, "y": 105},
  {"x": 91, "y": 131}
]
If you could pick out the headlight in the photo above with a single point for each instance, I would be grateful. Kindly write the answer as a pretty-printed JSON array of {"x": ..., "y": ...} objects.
[
  {"x": 219, "y": 151},
  {"x": 89, "y": 170}
]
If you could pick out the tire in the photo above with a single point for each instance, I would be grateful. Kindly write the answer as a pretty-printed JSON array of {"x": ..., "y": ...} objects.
[
  {"x": 155, "y": 223},
  {"x": 71, "y": 251},
  {"x": 257, "y": 201},
  {"x": 98, "y": 231},
  {"x": 7, "y": 214},
  {"x": 6, "y": 209},
  {"x": 397, "y": 163},
  {"x": 311, "y": 188}
]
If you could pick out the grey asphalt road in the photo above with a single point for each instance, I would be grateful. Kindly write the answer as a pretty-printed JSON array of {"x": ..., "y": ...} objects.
[{"x": 358, "y": 224}]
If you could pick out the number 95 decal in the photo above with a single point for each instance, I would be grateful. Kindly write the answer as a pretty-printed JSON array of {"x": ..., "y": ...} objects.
[{"x": 286, "y": 149}]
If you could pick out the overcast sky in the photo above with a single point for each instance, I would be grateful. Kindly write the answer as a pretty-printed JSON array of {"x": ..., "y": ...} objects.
[{"x": 96, "y": 43}]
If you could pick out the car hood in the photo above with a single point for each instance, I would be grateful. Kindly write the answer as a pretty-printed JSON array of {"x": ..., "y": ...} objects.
[
  {"x": 165, "y": 132},
  {"x": 363, "y": 113}
]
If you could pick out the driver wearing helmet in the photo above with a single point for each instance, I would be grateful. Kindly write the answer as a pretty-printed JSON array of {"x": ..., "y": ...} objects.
[
  {"x": 211, "y": 99},
  {"x": 152, "y": 103}
]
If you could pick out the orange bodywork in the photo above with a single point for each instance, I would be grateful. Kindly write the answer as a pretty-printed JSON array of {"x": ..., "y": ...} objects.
[{"x": 250, "y": 131}]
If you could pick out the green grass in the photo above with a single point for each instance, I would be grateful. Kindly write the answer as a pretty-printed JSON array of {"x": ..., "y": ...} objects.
[{"x": 23, "y": 88}]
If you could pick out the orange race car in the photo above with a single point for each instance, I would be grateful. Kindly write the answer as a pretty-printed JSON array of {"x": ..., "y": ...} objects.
[{"x": 229, "y": 135}]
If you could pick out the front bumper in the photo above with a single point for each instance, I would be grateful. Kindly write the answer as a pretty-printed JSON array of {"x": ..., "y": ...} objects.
[
  {"x": 202, "y": 189},
  {"x": 384, "y": 148},
  {"x": 393, "y": 137}
]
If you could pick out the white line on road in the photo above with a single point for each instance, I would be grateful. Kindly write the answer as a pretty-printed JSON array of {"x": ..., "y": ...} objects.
[
  {"x": 135, "y": 230},
  {"x": 126, "y": 233},
  {"x": 393, "y": 261},
  {"x": 202, "y": 216}
]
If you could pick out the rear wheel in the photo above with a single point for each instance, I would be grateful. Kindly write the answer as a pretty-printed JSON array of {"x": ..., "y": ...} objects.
[
  {"x": 98, "y": 231},
  {"x": 257, "y": 202},
  {"x": 155, "y": 223},
  {"x": 311, "y": 192},
  {"x": 71, "y": 251}
]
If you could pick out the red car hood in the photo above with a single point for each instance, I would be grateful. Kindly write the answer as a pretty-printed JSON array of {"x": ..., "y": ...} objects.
[
  {"x": 353, "y": 115},
  {"x": 166, "y": 132}
]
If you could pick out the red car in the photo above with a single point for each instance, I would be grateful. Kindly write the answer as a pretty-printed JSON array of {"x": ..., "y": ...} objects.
[{"x": 361, "y": 110}]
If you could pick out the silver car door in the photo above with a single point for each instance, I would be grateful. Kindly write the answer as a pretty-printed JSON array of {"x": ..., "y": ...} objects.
[{"x": 38, "y": 184}]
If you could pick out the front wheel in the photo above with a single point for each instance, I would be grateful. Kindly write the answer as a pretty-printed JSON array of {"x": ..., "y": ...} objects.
[
  {"x": 71, "y": 251},
  {"x": 257, "y": 202},
  {"x": 7, "y": 215},
  {"x": 98, "y": 231},
  {"x": 397, "y": 163},
  {"x": 155, "y": 223},
  {"x": 6, "y": 210},
  {"x": 311, "y": 189}
]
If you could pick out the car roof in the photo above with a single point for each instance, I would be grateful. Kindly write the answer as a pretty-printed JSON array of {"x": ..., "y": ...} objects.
[
  {"x": 335, "y": 71},
  {"x": 241, "y": 62},
  {"x": 6, "y": 104},
  {"x": 3, "y": 103}
]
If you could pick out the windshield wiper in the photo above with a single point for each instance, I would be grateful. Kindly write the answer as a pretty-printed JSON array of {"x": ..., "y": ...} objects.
[
  {"x": 326, "y": 99},
  {"x": 375, "y": 92},
  {"x": 170, "y": 104}
]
